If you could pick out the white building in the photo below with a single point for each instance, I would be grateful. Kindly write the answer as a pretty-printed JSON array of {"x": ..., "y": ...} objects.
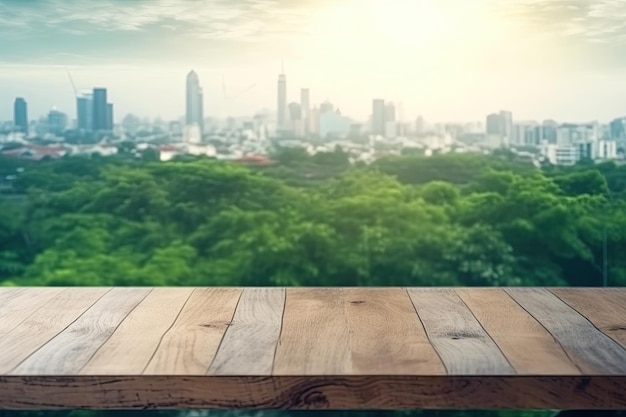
[
  {"x": 606, "y": 149},
  {"x": 333, "y": 123},
  {"x": 391, "y": 129}
]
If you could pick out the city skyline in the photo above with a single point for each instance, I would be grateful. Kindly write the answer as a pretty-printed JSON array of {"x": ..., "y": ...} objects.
[{"x": 448, "y": 60}]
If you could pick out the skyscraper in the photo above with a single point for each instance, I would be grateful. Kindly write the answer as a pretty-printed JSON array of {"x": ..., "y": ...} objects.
[
  {"x": 305, "y": 107},
  {"x": 20, "y": 114},
  {"x": 84, "y": 112},
  {"x": 109, "y": 116},
  {"x": 282, "y": 101},
  {"x": 378, "y": 116},
  {"x": 100, "y": 110},
  {"x": 57, "y": 121},
  {"x": 390, "y": 112},
  {"x": 494, "y": 124},
  {"x": 195, "y": 98},
  {"x": 507, "y": 126}
]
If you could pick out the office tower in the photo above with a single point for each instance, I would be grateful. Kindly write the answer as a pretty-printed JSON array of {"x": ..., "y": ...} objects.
[
  {"x": 549, "y": 130},
  {"x": 100, "y": 110},
  {"x": 57, "y": 121},
  {"x": 295, "y": 119},
  {"x": 20, "y": 114},
  {"x": 494, "y": 124},
  {"x": 109, "y": 116},
  {"x": 378, "y": 117},
  {"x": 282, "y": 101},
  {"x": 195, "y": 98},
  {"x": 305, "y": 107},
  {"x": 506, "y": 118},
  {"x": 315, "y": 121},
  {"x": 326, "y": 107},
  {"x": 420, "y": 126},
  {"x": 390, "y": 112},
  {"x": 84, "y": 112}
]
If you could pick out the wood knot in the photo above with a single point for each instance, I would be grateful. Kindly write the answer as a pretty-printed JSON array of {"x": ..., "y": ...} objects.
[{"x": 357, "y": 302}]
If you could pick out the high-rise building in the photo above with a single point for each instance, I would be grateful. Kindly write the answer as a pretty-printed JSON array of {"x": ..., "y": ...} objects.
[
  {"x": 109, "y": 116},
  {"x": 282, "y": 101},
  {"x": 20, "y": 114},
  {"x": 57, "y": 121},
  {"x": 506, "y": 118},
  {"x": 100, "y": 110},
  {"x": 84, "y": 112},
  {"x": 194, "y": 108},
  {"x": 493, "y": 125},
  {"x": 305, "y": 107},
  {"x": 390, "y": 112},
  {"x": 617, "y": 128},
  {"x": 378, "y": 117}
]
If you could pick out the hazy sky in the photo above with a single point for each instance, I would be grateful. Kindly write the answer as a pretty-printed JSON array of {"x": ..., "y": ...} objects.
[{"x": 445, "y": 59}]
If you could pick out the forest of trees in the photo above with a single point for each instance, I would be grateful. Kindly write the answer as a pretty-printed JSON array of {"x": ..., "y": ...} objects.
[{"x": 454, "y": 219}]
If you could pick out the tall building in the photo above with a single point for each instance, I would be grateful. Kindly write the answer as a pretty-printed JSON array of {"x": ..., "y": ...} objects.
[
  {"x": 390, "y": 112},
  {"x": 57, "y": 121},
  {"x": 378, "y": 117},
  {"x": 305, "y": 107},
  {"x": 100, "y": 109},
  {"x": 494, "y": 124},
  {"x": 109, "y": 116},
  {"x": 84, "y": 112},
  {"x": 195, "y": 108},
  {"x": 507, "y": 126},
  {"x": 282, "y": 101},
  {"x": 20, "y": 114}
]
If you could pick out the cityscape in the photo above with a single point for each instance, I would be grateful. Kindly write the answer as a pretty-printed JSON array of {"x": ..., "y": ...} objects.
[{"x": 297, "y": 123}]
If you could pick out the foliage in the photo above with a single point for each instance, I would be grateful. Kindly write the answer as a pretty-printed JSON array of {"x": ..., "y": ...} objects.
[{"x": 448, "y": 220}]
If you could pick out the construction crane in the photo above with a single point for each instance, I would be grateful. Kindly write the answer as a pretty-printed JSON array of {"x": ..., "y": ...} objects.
[{"x": 69, "y": 75}]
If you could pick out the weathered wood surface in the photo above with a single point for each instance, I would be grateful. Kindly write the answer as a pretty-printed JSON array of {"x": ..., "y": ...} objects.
[{"x": 339, "y": 348}]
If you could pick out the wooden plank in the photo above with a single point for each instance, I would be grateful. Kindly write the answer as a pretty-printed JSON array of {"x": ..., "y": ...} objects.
[
  {"x": 250, "y": 342},
  {"x": 71, "y": 349},
  {"x": 134, "y": 342},
  {"x": 313, "y": 392},
  {"x": 386, "y": 336},
  {"x": 591, "y": 350},
  {"x": 315, "y": 338},
  {"x": 17, "y": 305},
  {"x": 44, "y": 324},
  {"x": 458, "y": 337},
  {"x": 189, "y": 346},
  {"x": 514, "y": 331},
  {"x": 604, "y": 307}
]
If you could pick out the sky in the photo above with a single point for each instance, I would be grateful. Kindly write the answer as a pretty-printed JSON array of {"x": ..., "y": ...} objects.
[{"x": 447, "y": 60}]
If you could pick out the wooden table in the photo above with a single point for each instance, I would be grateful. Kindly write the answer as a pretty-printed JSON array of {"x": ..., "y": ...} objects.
[{"x": 338, "y": 348}]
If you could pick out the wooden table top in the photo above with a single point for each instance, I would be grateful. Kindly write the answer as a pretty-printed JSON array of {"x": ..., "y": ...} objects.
[{"x": 339, "y": 348}]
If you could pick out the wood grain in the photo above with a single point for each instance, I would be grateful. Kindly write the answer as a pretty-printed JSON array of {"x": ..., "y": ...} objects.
[
  {"x": 68, "y": 352},
  {"x": 189, "y": 346},
  {"x": 17, "y": 304},
  {"x": 514, "y": 330},
  {"x": 458, "y": 337},
  {"x": 45, "y": 323},
  {"x": 315, "y": 338},
  {"x": 386, "y": 336},
  {"x": 313, "y": 392},
  {"x": 250, "y": 341},
  {"x": 604, "y": 307},
  {"x": 131, "y": 346},
  {"x": 591, "y": 350}
]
